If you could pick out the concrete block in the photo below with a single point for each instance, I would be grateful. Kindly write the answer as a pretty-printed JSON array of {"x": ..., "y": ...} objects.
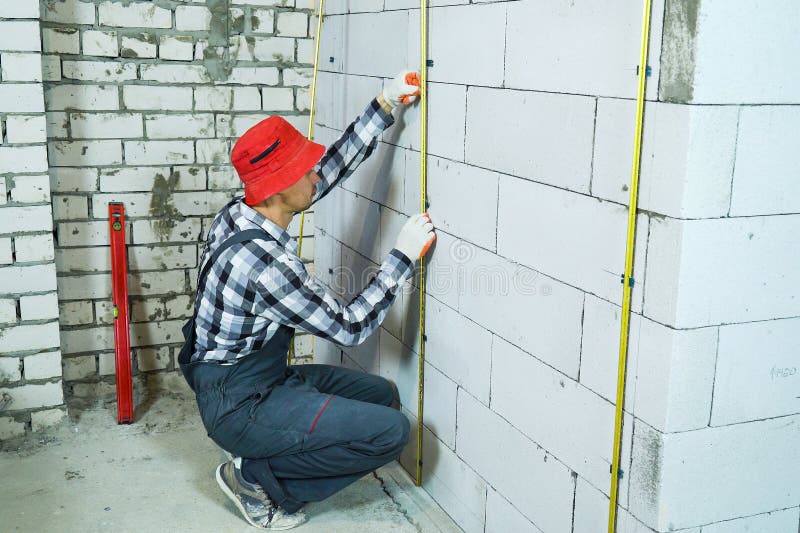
[
  {"x": 158, "y": 152},
  {"x": 179, "y": 126},
  {"x": 687, "y": 479},
  {"x": 8, "y": 310},
  {"x": 21, "y": 67},
  {"x": 100, "y": 43},
  {"x": 548, "y": 48},
  {"x": 359, "y": 55},
  {"x": 326, "y": 353},
  {"x": 102, "y": 71},
  {"x": 68, "y": 12},
  {"x": 31, "y": 189},
  {"x": 176, "y": 47},
  {"x": 357, "y": 222},
  {"x": 21, "y": 98},
  {"x": 33, "y": 396},
  {"x": 25, "y": 218},
  {"x": 440, "y": 405},
  {"x": 150, "y": 359},
  {"x": 70, "y": 207},
  {"x": 717, "y": 54},
  {"x": 41, "y": 420},
  {"x": 175, "y": 74},
  {"x": 400, "y": 365},
  {"x": 767, "y": 145},
  {"x": 687, "y": 157},
  {"x": 30, "y": 337},
  {"x": 80, "y": 367},
  {"x": 192, "y": 18},
  {"x": 85, "y": 153},
  {"x": 9, "y": 369},
  {"x": 73, "y": 179},
  {"x": 26, "y": 129},
  {"x": 292, "y": 24},
  {"x": 61, "y": 40},
  {"x": 486, "y": 442},
  {"x": 42, "y": 365},
  {"x": 502, "y": 517},
  {"x": 75, "y": 313},
  {"x": 342, "y": 98},
  {"x": 757, "y": 373},
  {"x": 696, "y": 255},
  {"x": 777, "y": 521},
  {"x": 548, "y": 137},
  {"x": 142, "y": 45},
  {"x": 87, "y": 340},
  {"x": 51, "y": 68},
  {"x": 106, "y": 125},
  {"x": 20, "y": 35},
  {"x": 19, "y": 159},
  {"x": 591, "y": 512},
  {"x": 39, "y": 307},
  {"x": 458, "y": 58},
  {"x": 10, "y": 428},
  {"x": 134, "y": 15},
  {"x": 157, "y": 98},
  {"x": 497, "y": 292},
  {"x": 85, "y": 97}
]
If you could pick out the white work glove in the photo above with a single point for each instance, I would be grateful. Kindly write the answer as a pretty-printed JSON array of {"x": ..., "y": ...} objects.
[
  {"x": 403, "y": 89},
  {"x": 416, "y": 236}
]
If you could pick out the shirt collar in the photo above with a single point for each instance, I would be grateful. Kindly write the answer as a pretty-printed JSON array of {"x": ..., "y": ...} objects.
[{"x": 281, "y": 235}]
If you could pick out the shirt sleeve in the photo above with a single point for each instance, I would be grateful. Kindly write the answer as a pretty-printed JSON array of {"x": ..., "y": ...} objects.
[
  {"x": 354, "y": 146},
  {"x": 290, "y": 296}
]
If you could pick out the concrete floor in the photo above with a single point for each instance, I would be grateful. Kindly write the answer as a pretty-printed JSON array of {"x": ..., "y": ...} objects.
[{"x": 157, "y": 475}]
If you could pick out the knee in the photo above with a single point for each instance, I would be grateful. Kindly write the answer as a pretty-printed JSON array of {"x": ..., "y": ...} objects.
[
  {"x": 398, "y": 431},
  {"x": 382, "y": 392}
]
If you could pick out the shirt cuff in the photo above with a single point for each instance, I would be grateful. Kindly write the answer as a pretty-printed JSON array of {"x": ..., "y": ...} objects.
[{"x": 383, "y": 118}]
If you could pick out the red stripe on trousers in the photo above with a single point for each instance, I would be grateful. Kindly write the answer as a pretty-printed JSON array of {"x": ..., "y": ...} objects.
[{"x": 316, "y": 419}]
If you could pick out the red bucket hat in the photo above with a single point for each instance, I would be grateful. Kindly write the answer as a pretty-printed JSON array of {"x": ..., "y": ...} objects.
[{"x": 271, "y": 156}]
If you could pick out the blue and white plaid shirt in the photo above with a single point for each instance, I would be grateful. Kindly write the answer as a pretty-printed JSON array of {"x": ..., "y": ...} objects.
[{"x": 256, "y": 286}]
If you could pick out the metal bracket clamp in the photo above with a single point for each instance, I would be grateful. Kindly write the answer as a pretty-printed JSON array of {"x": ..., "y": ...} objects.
[{"x": 631, "y": 281}]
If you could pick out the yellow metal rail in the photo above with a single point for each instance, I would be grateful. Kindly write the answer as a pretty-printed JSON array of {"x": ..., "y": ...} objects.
[
  {"x": 423, "y": 206},
  {"x": 627, "y": 279},
  {"x": 312, "y": 108}
]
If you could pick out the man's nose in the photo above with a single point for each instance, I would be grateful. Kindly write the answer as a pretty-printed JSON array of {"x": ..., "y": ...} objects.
[{"x": 315, "y": 178}]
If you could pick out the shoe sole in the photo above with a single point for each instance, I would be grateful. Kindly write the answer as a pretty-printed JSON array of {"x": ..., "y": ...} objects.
[{"x": 229, "y": 493}]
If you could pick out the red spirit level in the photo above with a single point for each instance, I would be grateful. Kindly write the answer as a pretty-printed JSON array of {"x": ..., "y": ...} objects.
[{"x": 119, "y": 289}]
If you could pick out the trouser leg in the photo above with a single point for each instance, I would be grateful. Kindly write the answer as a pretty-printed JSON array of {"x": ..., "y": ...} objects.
[{"x": 348, "y": 383}]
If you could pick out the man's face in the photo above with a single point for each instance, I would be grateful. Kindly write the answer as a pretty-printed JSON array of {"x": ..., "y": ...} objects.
[{"x": 298, "y": 197}]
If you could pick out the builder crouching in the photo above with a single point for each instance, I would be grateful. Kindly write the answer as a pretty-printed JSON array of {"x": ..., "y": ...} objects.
[{"x": 299, "y": 433}]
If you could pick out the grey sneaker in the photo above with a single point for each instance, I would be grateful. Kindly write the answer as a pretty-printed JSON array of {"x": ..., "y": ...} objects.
[{"x": 253, "y": 502}]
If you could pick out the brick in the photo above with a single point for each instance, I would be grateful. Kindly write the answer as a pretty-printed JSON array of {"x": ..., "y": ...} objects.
[
  {"x": 262, "y": 20},
  {"x": 134, "y": 15},
  {"x": 150, "y": 359},
  {"x": 83, "y": 97},
  {"x": 51, "y": 68},
  {"x": 213, "y": 98},
  {"x": 179, "y": 126},
  {"x": 21, "y": 98},
  {"x": 100, "y": 43},
  {"x": 300, "y": 77},
  {"x": 767, "y": 145},
  {"x": 144, "y": 178},
  {"x": 20, "y": 35},
  {"x": 604, "y": 68},
  {"x": 68, "y": 12},
  {"x": 277, "y": 99},
  {"x": 61, "y": 40},
  {"x": 687, "y": 157},
  {"x": 39, "y": 307},
  {"x": 102, "y": 71},
  {"x": 152, "y": 333},
  {"x": 19, "y": 10},
  {"x": 20, "y": 159},
  {"x": 212, "y": 151},
  {"x": 177, "y": 47},
  {"x": 169, "y": 73},
  {"x": 696, "y": 255},
  {"x": 142, "y": 45},
  {"x": 106, "y": 125},
  {"x": 754, "y": 358},
  {"x": 83, "y": 233},
  {"x": 8, "y": 311},
  {"x": 3, "y": 193},
  {"x": 223, "y": 178},
  {"x": 85, "y": 153},
  {"x": 21, "y": 67},
  {"x": 292, "y": 24},
  {"x": 548, "y": 136},
  {"x": 274, "y": 49},
  {"x": 31, "y": 189},
  {"x": 501, "y": 516},
  {"x": 158, "y": 152},
  {"x": 41, "y": 420},
  {"x": 106, "y": 364},
  {"x": 187, "y": 230},
  {"x": 495, "y": 292},
  {"x": 147, "y": 310},
  {"x": 157, "y": 98},
  {"x": 10, "y": 428},
  {"x": 536, "y": 222},
  {"x": 485, "y": 442},
  {"x": 84, "y": 286},
  {"x": 87, "y": 340},
  {"x": 6, "y": 252},
  {"x": 254, "y": 76},
  {"x": 684, "y": 468},
  {"x": 29, "y": 337},
  {"x": 80, "y": 367},
  {"x": 27, "y": 218},
  {"x": 75, "y": 313},
  {"x": 31, "y": 248},
  {"x": 305, "y": 51},
  {"x": 73, "y": 179},
  {"x": 44, "y": 365},
  {"x": 168, "y": 283},
  {"x": 26, "y": 129},
  {"x": 136, "y": 205},
  {"x": 162, "y": 258},
  {"x": 246, "y": 99},
  {"x": 192, "y": 18},
  {"x": 9, "y": 370},
  {"x": 183, "y": 307}
]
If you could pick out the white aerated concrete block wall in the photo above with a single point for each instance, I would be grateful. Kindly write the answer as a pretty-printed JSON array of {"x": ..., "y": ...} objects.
[
  {"x": 531, "y": 121},
  {"x": 31, "y": 393}
]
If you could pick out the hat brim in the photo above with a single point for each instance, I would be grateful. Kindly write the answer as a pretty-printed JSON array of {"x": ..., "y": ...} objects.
[{"x": 259, "y": 188}]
